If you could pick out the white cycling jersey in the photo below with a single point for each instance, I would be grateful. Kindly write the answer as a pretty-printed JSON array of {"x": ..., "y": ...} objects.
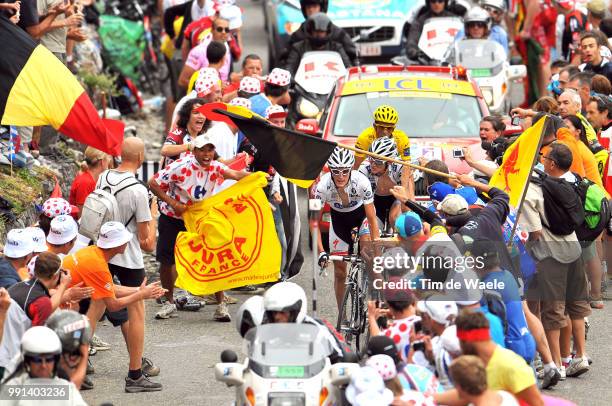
[
  {"x": 358, "y": 189},
  {"x": 393, "y": 170}
]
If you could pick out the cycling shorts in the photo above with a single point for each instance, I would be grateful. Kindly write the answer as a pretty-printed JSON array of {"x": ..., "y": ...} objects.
[{"x": 340, "y": 227}]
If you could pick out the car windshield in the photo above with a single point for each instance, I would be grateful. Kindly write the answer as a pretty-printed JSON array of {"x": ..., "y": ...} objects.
[{"x": 421, "y": 114}]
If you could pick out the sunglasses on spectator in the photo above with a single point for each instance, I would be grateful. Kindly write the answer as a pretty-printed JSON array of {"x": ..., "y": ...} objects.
[
  {"x": 222, "y": 29},
  {"x": 477, "y": 24},
  {"x": 492, "y": 10},
  {"x": 39, "y": 360},
  {"x": 338, "y": 172}
]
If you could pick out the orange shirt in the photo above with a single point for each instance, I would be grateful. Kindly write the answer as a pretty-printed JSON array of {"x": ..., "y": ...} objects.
[{"x": 89, "y": 266}]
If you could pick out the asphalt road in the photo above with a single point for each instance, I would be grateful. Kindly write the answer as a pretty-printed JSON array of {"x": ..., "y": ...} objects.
[{"x": 187, "y": 347}]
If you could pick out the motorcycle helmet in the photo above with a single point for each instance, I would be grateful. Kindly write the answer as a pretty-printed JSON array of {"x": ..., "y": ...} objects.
[
  {"x": 384, "y": 146},
  {"x": 318, "y": 22},
  {"x": 72, "y": 328},
  {"x": 250, "y": 314},
  {"x": 286, "y": 297},
  {"x": 477, "y": 15},
  {"x": 428, "y": 6},
  {"x": 40, "y": 340},
  {"x": 304, "y": 3},
  {"x": 498, "y": 4},
  {"x": 341, "y": 158},
  {"x": 386, "y": 114}
]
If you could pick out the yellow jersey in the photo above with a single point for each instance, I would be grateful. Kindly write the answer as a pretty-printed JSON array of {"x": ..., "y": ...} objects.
[{"x": 367, "y": 137}]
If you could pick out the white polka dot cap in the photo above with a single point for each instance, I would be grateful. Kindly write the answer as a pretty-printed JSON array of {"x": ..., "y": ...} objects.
[
  {"x": 241, "y": 101},
  {"x": 384, "y": 365},
  {"x": 275, "y": 111},
  {"x": 249, "y": 84},
  {"x": 204, "y": 85},
  {"x": 56, "y": 206},
  {"x": 279, "y": 77}
]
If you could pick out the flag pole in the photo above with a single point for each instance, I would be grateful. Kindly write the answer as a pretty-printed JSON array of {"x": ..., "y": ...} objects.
[
  {"x": 397, "y": 161},
  {"x": 526, "y": 186},
  {"x": 314, "y": 208}
]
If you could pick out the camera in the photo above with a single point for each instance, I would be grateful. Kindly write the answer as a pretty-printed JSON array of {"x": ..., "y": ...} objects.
[
  {"x": 417, "y": 327},
  {"x": 418, "y": 346},
  {"x": 516, "y": 120},
  {"x": 497, "y": 148},
  {"x": 458, "y": 152}
]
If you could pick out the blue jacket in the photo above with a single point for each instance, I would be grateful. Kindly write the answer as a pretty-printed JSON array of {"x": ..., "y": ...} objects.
[{"x": 8, "y": 274}]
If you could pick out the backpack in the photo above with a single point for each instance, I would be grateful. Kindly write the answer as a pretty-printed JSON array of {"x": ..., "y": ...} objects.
[
  {"x": 496, "y": 305},
  {"x": 101, "y": 206},
  {"x": 564, "y": 210},
  {"x": 596, "y": 210}
]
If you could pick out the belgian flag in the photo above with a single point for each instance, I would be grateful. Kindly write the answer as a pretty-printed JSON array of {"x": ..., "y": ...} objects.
[
  {"x": 36, "y": 89},
  {"x": 296, "y": 156}
]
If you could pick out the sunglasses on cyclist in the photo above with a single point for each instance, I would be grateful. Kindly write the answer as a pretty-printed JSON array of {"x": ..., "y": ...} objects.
[
  {"x": 39, "y": 360},
  {"x": 340, "y": 172},
  {"x": 376, "y": 162},
  {"x": 222, "y": 29}
]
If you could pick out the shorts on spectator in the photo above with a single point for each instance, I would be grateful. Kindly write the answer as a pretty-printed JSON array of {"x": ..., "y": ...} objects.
[
  {"x": 127, "y": 277},
  {"x": 168, "y": 229}
]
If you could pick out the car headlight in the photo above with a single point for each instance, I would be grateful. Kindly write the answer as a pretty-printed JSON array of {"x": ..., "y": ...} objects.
[
  {"x": 291, "y": 27},
  {"x": 487, "y": 93},
  {"x": 307, "y": 108}
]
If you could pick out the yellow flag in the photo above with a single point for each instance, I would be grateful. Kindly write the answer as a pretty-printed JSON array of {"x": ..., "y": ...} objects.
[
  {"x": 230, "y": 240},
  {"x": 513, "y": 175}
]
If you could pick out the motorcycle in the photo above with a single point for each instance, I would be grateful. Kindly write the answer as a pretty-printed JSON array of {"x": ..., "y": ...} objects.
[
  {"x": 314, "y": 80},
  {"x": 285, "y": 364},
  {"x": 487, "y": 63},
  {"x": 437, "y": 38}
]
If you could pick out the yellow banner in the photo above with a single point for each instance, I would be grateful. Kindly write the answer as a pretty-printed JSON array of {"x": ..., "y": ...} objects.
[
  {"x": 230, "y": 240},
  {"x": 408, "y": 83},
  {"x": 513, "y": 175}
]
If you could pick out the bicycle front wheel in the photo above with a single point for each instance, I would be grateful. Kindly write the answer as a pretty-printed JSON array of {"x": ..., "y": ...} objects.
[{"x": 349, "y": 319}]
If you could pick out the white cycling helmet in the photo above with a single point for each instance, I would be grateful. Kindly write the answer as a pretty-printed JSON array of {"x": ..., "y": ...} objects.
[
  {"x": 498, "y": 4},
  {"x": 477, "y": 15},
  {"x": 341, "y": 158},
  {"x": 286, "y": 297},
  {"x": 250, "y": 314},
  {"x": 384, "y": 146}
]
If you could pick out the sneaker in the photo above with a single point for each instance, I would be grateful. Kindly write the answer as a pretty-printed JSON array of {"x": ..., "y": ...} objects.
[
  {"x": 148, "y": 368},
  {"x": 142, "y": 384},
  {"x": 221, "y": 314},
  {"x": 167, "y": 311},
  {"x": 550, "y": 378},
  {"x": 248, "y": 289},
  {"x": 87, "y": 384},
  {"x": 230, "y": 299},
  {"x": 597, "y": 304},
  {"x": 98, "y": 344},
  {"x": 212, "y": 300},
  {"x": 92, "y": 351},
  {"x": 577, "y": 367},
  {"x": 90, "y": 368},
  {"x": 562, "y": 373},
  {"x": 188, "y": 303}
]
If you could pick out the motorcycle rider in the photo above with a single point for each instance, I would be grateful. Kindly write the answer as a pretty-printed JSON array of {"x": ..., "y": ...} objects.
[
  {"x": 337, "y": 34},
  {"x": 285, "y": 302},
  {"x": 478, "y": 25},
  {"x": 435, "y": 8},
  {"x": 318, "y": 38}
]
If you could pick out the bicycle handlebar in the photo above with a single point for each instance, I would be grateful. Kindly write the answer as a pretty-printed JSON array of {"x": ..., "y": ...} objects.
[{"x": 345, "y": 258}]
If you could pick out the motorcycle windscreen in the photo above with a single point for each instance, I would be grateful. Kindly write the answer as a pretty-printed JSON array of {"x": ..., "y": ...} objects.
[
  {"x": 438, "y": 35},
  {"x": 481, "y": 57},
  {"x": 319, "y": 70}
]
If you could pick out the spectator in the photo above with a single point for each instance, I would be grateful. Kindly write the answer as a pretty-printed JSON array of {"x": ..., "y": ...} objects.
[
  {"x": 51, "y": 208},
  {"x": 276, "y": 91},
  {"x": 18, "y": 251},
  {"x": 40, "y": 356},
  {"x": 560, "y": 278},
  {"x": 90, "y": 266},
  {"x": 581, "y": 83},
  {"x": 35, "y": 25},
  {"x": 368, "y": 388},
  {"x": 546, "y": 104},
  {"x": 62, "y": 235},
  {"x": 198, "y": 58},
  {"x": 491, "y": 128},
  {"x": 251, "y": 67},
  {"x": 177, "y": 190},
  {"x": 600, "y": 84},
  {"x": 128, "y": 267},
  {"x": 505, "y": 370},
  {"x": 496, "y": 327},
  {"x": 599, "y": 115},
  {"x": 590, "y": 55},
  {"x": 207, "y": 87},
  {"x": 596, "y": 13},
  {"x": 95, "y": 163},
  {"x": 470, "y": 378},
  {"x": 216, "y": 56},
  {"x": 189, "y": 124},
  {"x": 54, "y": 38},
  {"x": 32, "y": 303}
]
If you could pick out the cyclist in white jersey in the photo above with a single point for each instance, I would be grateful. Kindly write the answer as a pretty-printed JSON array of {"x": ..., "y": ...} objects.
[{"x": 350, "y": 198}]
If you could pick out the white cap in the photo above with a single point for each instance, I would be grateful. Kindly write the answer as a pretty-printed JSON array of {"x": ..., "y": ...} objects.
[
  {"x": 38, "y": 239},
  {"x": 441, "y": 311},
  {"x": 63, "y": 230},
  {"x": 384, "y": 365},
  {"x": 233, "y": 14},
  {"x": 275, "y": 111},
  {"x": 367, "y": 379},
  {"x": 204, "y": 139},
  {"x": 112, "y": 235},
  {"x": 18, "y": 243},
  {"x": 453, "y": 205}
]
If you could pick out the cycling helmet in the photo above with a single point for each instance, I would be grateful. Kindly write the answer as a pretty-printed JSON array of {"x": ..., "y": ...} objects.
[
  {"x": 498, "y": 4},
  {"x": 384, "y": 146},
  {"x": 250, "y": 314},
  {"x": 286, "y": 297},
  {"x": 477, "y": 15},
  {"x": 72, "y": 328},
  {"x": 304, "y": 3},
  {"x": 40, "y": 340},
  {"x": 341, "y": 158},
  {"x": 385, "y": 114}
]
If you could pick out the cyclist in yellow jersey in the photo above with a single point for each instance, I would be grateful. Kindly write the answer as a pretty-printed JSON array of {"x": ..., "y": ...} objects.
[{"x": 385, "y": 120}]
